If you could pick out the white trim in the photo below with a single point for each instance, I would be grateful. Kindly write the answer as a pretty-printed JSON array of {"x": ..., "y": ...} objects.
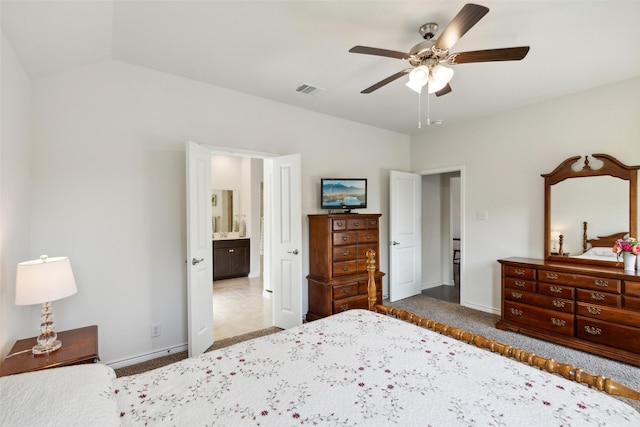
[
  {"x": 482, "y": 308},
  {"x": 148, "y": 356},
  {"x": 232, "y": 151}
]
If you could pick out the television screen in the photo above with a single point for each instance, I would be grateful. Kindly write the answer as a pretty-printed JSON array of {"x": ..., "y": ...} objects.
[{"x": 343, "y": 193}]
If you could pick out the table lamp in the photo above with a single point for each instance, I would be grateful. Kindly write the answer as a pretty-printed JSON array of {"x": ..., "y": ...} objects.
[{"x": 41, "y": 281}]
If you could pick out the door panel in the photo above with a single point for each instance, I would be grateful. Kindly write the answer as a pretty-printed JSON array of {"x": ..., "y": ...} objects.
[
  {"x": 199, "y": 249},
  {"x": 405, "y": 235}
]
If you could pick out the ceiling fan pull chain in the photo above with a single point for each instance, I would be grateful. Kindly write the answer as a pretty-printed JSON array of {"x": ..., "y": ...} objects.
[
  {"x": 419, "y": 111},
  {"x": 428, "y": 107}
]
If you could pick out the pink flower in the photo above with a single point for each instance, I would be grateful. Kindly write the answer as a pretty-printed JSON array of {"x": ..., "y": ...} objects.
[{"x": 628, "y": 244}]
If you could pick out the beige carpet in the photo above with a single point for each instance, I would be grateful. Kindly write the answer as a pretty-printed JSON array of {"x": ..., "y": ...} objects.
[{"x": 165, "y": 360}]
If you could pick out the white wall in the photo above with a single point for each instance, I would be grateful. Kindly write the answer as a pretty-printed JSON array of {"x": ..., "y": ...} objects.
[
  {"x": 109, "y": 177},
  {"x": 15, "y": 195},
  {"x": 505, "y": 154}
]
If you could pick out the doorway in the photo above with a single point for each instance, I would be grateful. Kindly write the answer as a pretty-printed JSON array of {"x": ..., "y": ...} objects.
[
  {"x": 442, "y": 235},
  {"x": 240, "y": 304}
]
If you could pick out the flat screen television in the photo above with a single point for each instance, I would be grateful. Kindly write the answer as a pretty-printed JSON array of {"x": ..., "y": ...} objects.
[{"x": 343, "y": 193}]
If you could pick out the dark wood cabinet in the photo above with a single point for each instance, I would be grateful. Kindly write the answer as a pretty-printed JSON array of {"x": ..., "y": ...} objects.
[
  {"x": 231, "y": 258},
  {"x": 591, "y": 308},
  {"x": 338, "y": 278}
]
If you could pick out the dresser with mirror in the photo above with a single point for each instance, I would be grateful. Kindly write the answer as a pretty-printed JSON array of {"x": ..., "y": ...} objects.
[{"x": 579, "y": 294}]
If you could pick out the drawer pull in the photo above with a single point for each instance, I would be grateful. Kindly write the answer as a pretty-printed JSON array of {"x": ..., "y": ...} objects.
[
  {"x": 519, "y": 283},
  {"x": 344, "y": 307},
  {"x": 592, "y": 330},
  {"x": 552, "y": 276},
  {"x": 519, "y": 271},
  {"x": 356, "y": 223},
  {"x": 369, "y": 237},
  {"x": 597, "y": 297},
  {"x": 601, "y": 283},
  {"x": 558, "y": 322},
  {"x": 373, "y": 222},
  {"x": 555, "y": 289},
  {"x": 345, "y": 253},
  {"x": 345, "y": 238},
  {"x": 557, "y": 303},
  {"x": 346, "y": 290},
  {"x": 516, "y": 295},
  {"x": 339, "y": 223},
  {"x": 230, "y": 250},
  {"x": 345, "y": 268},
  {"x": 516, "y": 312},
  {"x": 593, "y": 310}
]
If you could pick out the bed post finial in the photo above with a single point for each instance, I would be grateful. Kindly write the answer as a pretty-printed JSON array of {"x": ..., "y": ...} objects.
[{"x": 371, "y": 284}]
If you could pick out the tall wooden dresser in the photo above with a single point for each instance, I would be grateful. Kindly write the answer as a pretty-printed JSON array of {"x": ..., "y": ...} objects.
[
  {"x": 338, "y": 278},
  {"x": 591, "y": 308}
]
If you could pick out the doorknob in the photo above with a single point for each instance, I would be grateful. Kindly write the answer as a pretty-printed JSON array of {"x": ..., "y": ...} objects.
[
  {"x": 395, "y": 243},
  {"x": 295, "y": 252},
  {"x": 195, "y": 261}
]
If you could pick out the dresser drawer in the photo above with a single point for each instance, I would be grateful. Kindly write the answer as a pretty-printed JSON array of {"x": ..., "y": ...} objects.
[
  {"x": 519, "y": 272},
  {"x": 362, "y": 251},
  {"x": 557, "y": 291},
  {"x": 579, "y": 280},
  {"x": 609, "y": 314},
  {"x": 345, "y": 291},
  {"x": 345, "y": 253},
  {"x": 367, "y": 236},
  {"x": 345, "y": 238},
  {"x": 632, "y": 288},
  {"x": 344, "y": 304},
  {"x": 619, "y": 336},
  {"x": 523, "y": 285},
  {"x": 344, "y": 268},
  {"x": 631, "y": 303},
  {"x": 553, "y": 321},
  {"x": 600, "y": 298},
  {"x": 550, "y": 303},
  {"x": 338, "y": 224},
  {"x": 357, "y": 224}
]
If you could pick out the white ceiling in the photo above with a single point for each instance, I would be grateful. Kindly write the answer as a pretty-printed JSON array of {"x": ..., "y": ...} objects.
[{"x": 268, "y": 48}]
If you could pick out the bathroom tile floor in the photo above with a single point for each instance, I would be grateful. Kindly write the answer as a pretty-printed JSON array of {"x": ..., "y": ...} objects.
[{"x": 239, "y": 307}]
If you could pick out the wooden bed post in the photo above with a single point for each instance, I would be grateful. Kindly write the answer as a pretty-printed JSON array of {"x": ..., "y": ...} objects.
[{"x": 371, "y": 284}]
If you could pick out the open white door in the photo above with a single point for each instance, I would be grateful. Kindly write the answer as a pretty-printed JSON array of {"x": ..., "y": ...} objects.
[
  {"x": 405, "y": 235},
  {"x": 199, "y": 249},
  {"x": 283, "y": 235}
]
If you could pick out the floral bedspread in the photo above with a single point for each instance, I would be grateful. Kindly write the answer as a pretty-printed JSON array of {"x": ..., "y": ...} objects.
[{"x": 360, "y": 368}]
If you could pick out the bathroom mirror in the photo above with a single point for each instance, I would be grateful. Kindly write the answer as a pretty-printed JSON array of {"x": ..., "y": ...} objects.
[
  {"x": 590, "y": 202},
  {"x": 225, "y": 209}
]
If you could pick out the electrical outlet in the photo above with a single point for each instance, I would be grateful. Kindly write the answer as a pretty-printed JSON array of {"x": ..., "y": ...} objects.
[{"x": 156, "y": 330}]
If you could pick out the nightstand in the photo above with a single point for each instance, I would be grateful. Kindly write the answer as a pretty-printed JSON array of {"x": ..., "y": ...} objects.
[{"x": 78, "y": 346}]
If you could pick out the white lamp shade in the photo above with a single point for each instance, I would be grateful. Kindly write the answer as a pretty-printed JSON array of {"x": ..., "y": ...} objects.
[
  {"x": 44, "y": 280},
  {"x": 439, "y": 78},
  {"x": 418, "y": 77}
]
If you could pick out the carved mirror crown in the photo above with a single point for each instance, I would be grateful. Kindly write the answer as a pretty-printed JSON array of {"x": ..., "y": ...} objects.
[{"x": 589, "y": 203}]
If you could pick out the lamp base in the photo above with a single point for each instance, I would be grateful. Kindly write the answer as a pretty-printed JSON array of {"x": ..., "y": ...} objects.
[{"x": 49, "y": 348}]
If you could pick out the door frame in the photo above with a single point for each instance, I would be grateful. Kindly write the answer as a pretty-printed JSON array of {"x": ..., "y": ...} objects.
[{"x": 461, "y": 170}]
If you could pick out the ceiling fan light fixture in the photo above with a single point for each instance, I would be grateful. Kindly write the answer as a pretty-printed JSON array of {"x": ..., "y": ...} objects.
[
  {"x": 439, "y": 77},
  {"x": 418, "y": 77}
]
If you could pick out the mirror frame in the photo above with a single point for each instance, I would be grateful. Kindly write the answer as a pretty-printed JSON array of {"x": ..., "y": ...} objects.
[{"x": 610, "y": 166}]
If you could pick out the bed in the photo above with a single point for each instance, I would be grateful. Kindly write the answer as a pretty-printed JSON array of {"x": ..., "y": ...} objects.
[
  {"x": 598, "y": 248},
  {"x": 358, "y": 368}
]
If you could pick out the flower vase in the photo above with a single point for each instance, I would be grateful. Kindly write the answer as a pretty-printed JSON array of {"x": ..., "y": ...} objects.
[{"x": 629, "y": 261}]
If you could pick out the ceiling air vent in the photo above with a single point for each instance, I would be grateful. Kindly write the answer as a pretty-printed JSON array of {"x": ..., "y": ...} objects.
[{"x": 307, "y": 89}]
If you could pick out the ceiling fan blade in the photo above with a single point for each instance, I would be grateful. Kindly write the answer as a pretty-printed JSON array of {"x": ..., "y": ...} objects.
[
  {"x": 445, "y": 90},
  {"x": 468, "y": 16},
  {"x": 489, "y": 55},
  {"x": 380, "y": 52},
  {"x": 386, "y": 81}
]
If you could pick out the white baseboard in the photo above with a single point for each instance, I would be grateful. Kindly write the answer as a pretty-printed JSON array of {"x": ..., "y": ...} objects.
[
  {"x": 481, "y": 308},
  {"x": 148, "y": 356}
]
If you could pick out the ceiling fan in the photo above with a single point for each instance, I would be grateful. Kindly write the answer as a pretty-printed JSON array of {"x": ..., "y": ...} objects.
[{"x": 427, "y": 56}]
